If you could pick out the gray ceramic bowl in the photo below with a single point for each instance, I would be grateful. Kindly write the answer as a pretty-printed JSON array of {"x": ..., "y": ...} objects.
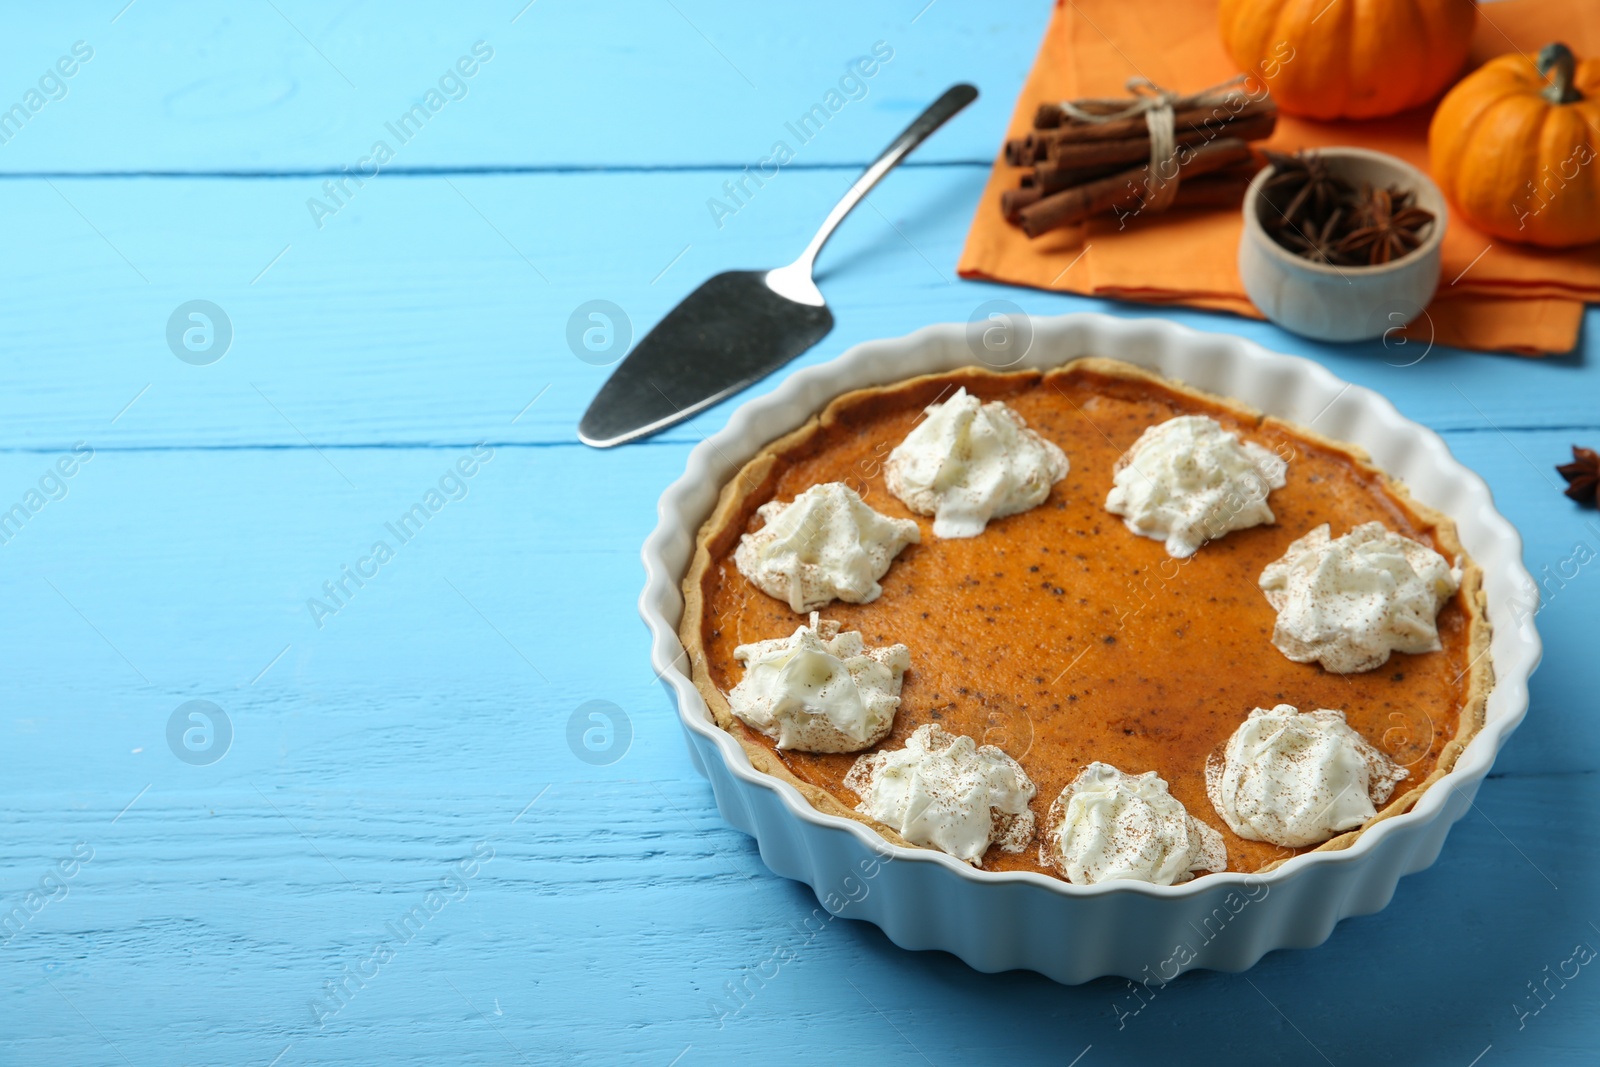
[{"x": 1331, "y": 303}]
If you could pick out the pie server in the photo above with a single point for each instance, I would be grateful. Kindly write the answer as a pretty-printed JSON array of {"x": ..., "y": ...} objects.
[{"x": 739, "y": 326}]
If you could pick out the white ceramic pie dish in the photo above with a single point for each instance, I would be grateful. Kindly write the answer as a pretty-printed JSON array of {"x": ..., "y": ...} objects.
[{"x": 995, "y": 921}]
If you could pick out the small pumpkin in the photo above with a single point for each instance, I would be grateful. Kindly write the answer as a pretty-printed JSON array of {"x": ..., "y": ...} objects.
[
  {"x": 1513, "y": 148},
  {"x": 1353, "y": 59}
]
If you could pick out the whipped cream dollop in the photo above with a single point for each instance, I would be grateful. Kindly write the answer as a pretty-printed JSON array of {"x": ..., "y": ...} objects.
[
  {"x": 1349, "y": 602},
  {"x": 947, "y": 791},
  {"x": 969, "y": 462},
  {"x": 1187, "y": 481},
  {"x": 825, "y": 544},
  {"x": 1107, "y": 824},
  {"x": 1298, "y": 778},
  {"x": 819, "y": 690}
]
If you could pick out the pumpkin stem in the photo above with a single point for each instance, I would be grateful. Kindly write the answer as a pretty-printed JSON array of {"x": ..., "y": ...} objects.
[{"x": 1557, "y": 64}]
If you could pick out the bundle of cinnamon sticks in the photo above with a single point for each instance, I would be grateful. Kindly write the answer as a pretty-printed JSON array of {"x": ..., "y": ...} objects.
[{"x": 1081, "y": 169}]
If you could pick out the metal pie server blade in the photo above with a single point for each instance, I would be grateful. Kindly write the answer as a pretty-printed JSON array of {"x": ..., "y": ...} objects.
[
  {"x": 739, "y": 326},
  {"x": 728, "y": 333}
]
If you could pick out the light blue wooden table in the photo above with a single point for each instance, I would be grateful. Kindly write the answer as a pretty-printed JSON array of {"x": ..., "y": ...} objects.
[{"x": 396, "y": 811}]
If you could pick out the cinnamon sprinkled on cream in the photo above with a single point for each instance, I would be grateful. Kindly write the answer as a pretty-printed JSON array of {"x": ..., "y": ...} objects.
[
  {"x": 1349, "y": 602},
  {"x": 1108, "y": 825},
  {"x": 1296, "y": 778},
  {"x": 819, "y": 690},
  {"x": 823, "y": 545},
  {"x": 947, "y": 791}
]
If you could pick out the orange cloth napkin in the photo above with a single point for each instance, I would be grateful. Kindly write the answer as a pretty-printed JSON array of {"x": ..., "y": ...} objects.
[{"x": 1492, "y": 295}]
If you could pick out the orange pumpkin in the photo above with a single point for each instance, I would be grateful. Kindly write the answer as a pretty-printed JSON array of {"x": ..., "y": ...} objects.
[
  {"x": 1352, "y": 59},
  {"x": 1513, "y": 148}
]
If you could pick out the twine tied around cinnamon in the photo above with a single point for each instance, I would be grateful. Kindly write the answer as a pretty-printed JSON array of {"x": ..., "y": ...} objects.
[{"x": 1158, "y": 106}]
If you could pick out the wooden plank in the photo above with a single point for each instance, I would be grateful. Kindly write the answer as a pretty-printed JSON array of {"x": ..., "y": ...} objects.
[
  {"x": 295, "y": 86},
  {"x": 435, "y": 310},
  {"x": 612, "y": 922},
  {"x": 162, "y": 577}
]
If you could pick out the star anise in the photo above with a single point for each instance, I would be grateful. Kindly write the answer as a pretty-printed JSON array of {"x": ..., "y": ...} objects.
[
  {"x": 1302, "y": 189},
  {"x": 1319, "y": 244},
  {"x": 1387, "y": 227},
  {"x": 1582, "y": 475}
]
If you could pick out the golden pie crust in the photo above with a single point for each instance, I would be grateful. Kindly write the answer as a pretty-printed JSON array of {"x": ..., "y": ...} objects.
[{"x": 1012, "y": 635}]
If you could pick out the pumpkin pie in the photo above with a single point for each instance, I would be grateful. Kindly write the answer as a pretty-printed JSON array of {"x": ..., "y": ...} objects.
[{"x": 1065, "y": 625}]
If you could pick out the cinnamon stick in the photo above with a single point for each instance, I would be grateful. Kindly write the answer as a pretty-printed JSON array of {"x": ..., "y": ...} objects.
[
  {"x": 1258, "y": 118},
  {"x": 1131, "y": 127},
  {"x": 1050, "y": 115},
  {"x": 1254, "y": 127},
  {"x": 1053, "y": 179},
  {"x": 1125, "y": 188},
  {"x": 1027, "y": 150},
  {"x": 1012, "y": 201},
  {"x": 1225, "y": 188},
  {"x": 1213, "y": 190}
]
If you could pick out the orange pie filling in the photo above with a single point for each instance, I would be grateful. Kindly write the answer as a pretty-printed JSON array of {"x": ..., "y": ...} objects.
[{"x": 1064, "y": 639}]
